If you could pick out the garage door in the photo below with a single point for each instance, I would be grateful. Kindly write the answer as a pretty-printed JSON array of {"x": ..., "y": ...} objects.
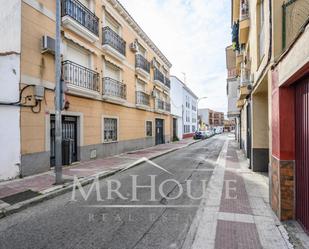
[{"x": 302, "y": 152}]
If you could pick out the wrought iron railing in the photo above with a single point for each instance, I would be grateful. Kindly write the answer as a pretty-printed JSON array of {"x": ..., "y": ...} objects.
[
  {"x": 167, "y": 82},
  {"x": 114, "y": 88},
  {"x": 110, "y": 37},
  {"x": 81, "y": 14},
  {"x": 80, "y": 76},
  {"x": 159, "y": 104},
  {"x": 158, "y": 75},
  {"x": 295, "y": 16},
  {"x": 142, "y": 98},
  {"x": 244, "y": 9},
  {"x": 167, "y": 107},
  {"x": 141, "y": 62},
  {"x": 245, "y": 76}
]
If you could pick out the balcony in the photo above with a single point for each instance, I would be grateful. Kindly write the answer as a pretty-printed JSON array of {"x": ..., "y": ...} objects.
[
  {"x": 240, "y": 103},
  {"x": 244, "y": 10},
  {"x": 245, "y": 77},
  {"x": 244, "y": 23},
  {"x": 142, "y": 100},
  {"x": 161, "y": 106},
  {"x": 80, "y": 80},
  {"x": 167, "y": 107},
  {"x": 114, "y": 91},
  {"x": 295, "y": 16},
  {"x": 142, "y": 65},
  {"x": 244, "y": 91},
  {"x": 113, "y": 44},
  {"x": 167, "y": 82},
  {"x": 160, "y": 79},
  {"x": 79, "y": 19}
]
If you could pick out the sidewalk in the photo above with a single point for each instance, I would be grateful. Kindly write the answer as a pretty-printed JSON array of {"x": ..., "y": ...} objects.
[
  {"x": 236, "y": 211},
  {"x": 20, "y": 193}
]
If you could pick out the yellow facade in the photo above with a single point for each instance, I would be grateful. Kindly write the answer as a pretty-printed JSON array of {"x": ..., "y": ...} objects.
[{"x": 37, "y": 68}]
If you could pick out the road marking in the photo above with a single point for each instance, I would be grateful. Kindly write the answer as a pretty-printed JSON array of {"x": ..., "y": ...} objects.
[{"x": 141, "y": 206}]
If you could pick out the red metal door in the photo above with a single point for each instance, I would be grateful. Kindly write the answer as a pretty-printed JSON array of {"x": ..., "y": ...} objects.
[{"x": 302, "y": 152}]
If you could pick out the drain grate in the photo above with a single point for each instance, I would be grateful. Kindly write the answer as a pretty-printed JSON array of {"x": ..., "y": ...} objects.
[{"x": 19, "y": 197}]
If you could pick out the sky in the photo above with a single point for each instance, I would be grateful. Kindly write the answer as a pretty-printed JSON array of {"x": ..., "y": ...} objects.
[{"x": 193, "y": 35}]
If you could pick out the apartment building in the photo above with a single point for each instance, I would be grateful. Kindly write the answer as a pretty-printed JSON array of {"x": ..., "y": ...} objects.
[
  {"x": 117, "y": 86},
  {"x": 271, "y": 40},
  {"x": 232, "y": 85},
  {"x": 184, "y": 109},
  {"x": 209, "y": 119}
]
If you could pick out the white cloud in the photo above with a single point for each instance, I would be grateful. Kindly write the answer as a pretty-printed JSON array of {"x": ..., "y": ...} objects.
[{"x": 193, "y": 35}]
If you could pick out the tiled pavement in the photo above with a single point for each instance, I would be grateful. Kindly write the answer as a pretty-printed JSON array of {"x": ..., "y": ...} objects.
[
  {"x": 43, "y": 183},
  {"x": 235, "y": 213}
]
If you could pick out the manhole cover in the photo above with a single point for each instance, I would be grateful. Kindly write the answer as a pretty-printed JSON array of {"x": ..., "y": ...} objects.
[{"x": 19, "y": 197}]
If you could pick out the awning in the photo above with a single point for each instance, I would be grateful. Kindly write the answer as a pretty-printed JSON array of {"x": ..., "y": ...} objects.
[{"x": 79, "y": 43}]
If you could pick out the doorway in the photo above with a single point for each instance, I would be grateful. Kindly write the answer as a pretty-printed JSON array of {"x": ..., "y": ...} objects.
[
  {"x": 69, "y": 140},
  {"x": 159, "y": 131}
]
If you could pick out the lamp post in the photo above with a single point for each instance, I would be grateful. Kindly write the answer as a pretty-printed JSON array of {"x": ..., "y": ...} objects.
[{"x": 58, "y": 122}]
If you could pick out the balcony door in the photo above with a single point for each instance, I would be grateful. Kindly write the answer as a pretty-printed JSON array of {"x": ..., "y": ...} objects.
[
  {"x": 78, "y": 55},
  {"x": 112, "y": 72}
]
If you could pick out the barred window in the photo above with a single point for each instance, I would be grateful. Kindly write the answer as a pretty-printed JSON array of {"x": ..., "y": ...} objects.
[
  {"x": 110, "y": 130},
  {"x": 149, "y": 128}
]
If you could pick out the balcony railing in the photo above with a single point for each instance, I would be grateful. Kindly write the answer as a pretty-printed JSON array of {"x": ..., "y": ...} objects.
[
  {"x": 167, "y": 107},
  {"x": 158, "y": 75},
  {"x": 114, "y": 88},
  {"x": 159, "y": 104},
  {"x": 245, "y": 76},
  {"x": 110, "y": 37},
  {"x": 141, "y": 62},
  {"x": 167, "y": 82},
  {"x": 142, "y": 98},
  {"x": 80, "y": 76},
  {"x": 295, "y": 16},
  {"x": 81, "y": 14},
  {"x": 244, "y": 9}
]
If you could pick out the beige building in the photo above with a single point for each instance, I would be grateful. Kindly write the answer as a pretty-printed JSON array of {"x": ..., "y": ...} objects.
[
  {"x": 116, "y": 78},
  {"x": 270, "y": 38}
]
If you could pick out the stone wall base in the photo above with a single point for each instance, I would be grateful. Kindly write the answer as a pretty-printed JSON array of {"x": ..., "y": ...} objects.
[
  {"x": 282, "y": 188},
  {"x": 40, "y": 162}
]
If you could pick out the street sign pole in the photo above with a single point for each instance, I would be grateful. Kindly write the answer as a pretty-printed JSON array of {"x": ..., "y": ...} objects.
[{"x": 58, "y": 121}]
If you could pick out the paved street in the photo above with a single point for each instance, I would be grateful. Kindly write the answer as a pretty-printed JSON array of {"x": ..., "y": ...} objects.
[
  {"x": 242, "y": 220},
  {"x": 59, "y": 223}
]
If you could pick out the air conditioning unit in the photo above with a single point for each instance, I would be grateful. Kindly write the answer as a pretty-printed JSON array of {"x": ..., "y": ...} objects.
[
  {"x": 48, "y": 45},
  {"x": 134, "y": 47}
]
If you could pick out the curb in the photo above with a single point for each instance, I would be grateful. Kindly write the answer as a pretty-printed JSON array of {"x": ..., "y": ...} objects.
[{"x": 5, "y": 212}]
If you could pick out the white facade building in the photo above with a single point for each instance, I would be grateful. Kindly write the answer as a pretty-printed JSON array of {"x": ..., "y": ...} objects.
[
  {"x": 184, "y": 109},
  {"x": 10, "y": 49}
]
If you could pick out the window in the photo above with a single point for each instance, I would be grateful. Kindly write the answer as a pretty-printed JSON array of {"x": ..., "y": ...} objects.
[
  {"x": 141, "y": 50},
  {"x": 112, "y": 71},
  {"x": 112, "y": 23},
  {"x": 110, "y": 129},
  {"x": 193, "y": 128},
  {"x": 149, "y": 128}
]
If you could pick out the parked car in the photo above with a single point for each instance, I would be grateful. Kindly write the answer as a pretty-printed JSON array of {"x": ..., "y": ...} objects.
[
  {"x": 209, "y": 133},
  {"x": 219, "y": 130},
  {"x": 200, "y": 135}
]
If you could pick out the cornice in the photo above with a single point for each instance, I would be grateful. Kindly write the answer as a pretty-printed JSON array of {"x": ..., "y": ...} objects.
[{"x": 129, "y": 19}]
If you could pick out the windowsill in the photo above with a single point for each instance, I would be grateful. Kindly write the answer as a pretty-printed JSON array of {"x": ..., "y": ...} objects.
[{"x": 110, "y": 142}]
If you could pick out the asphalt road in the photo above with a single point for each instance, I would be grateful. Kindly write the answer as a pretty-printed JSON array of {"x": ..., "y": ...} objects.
[{"x": 113, "y": 222}]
